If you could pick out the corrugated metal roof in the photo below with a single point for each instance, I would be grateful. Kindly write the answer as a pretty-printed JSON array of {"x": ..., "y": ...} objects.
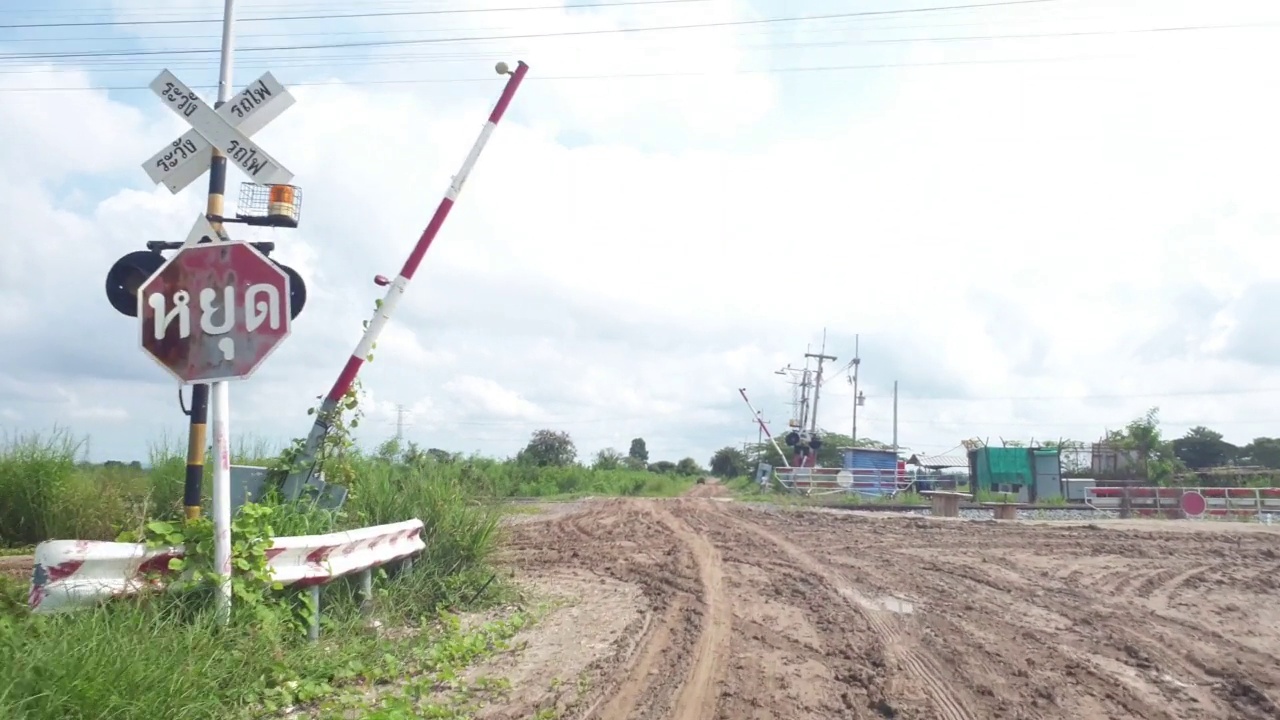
[{"x": 939, "y": 462}]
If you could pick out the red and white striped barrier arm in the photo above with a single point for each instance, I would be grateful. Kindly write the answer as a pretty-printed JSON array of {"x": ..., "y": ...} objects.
[
  {"x": 397, "y": 286},
  {"x": 69, "y": 574}
]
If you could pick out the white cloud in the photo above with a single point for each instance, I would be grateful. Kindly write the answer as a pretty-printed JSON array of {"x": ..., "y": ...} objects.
[
  {"x": 629, "y": 252},
  {"x": 482, "y": 396}
]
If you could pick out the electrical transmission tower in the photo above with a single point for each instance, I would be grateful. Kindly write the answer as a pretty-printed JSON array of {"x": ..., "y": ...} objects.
[
  {"x": 400, "y": 412},
  {"x": 800, "y": 380}
]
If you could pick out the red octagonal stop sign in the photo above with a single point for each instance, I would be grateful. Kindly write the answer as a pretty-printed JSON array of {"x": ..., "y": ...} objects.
[{"x": 214, "y": 312}]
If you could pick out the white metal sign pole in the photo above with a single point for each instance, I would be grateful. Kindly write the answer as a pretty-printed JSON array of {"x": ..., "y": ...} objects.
[{"x": 220, "y": 401}]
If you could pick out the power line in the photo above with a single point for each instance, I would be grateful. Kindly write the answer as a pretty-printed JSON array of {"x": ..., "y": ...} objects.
[
  {"x": 119, "y": 57},
  {"x": 991, "y": 421},
  {"x": 349, "y": 16},
  {"x": 619, "y": 76},
  {"x": 525, "y": 36},
  {"x": 126, "y": 65},
  {"x": 1116, "y": 396},
  {"x": 171, "y": 9},
  {"x": 1056, "y": 18},
  {"x": 1081, "y": 33},
  {"x": 330, "y": 33}
]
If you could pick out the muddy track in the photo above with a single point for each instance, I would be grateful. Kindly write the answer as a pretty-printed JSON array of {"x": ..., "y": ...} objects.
[{"x": 754, "y": 613}]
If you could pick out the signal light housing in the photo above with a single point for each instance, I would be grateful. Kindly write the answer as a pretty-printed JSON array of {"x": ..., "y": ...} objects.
[
  {"x": 127, "y": 275},
  {"x": 297, "y": 290}
]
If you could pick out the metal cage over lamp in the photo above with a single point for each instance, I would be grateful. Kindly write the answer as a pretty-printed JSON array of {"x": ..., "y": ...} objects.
[{"x": 269, "y": 205}]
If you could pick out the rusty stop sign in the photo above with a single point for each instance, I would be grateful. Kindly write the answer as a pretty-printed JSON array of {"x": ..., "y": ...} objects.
[{"x": 214, "y": 312}]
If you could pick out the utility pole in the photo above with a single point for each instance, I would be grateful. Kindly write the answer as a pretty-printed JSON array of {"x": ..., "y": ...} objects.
[
  {"x": 399, "y": 422},
  {"x": 817, "y": 386},
  {"x": 858, "y": 398},
  {"x": 895, "y": 417},
  {"x": 197, "y": 434}
]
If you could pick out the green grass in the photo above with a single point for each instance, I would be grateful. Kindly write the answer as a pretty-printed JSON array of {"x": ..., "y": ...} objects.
[
  {"x": 47, "y": 492},
  {"x": 151, "y": 660},
  {"x": 164, "y": 657},
  {"x": 506, "y": 479}
]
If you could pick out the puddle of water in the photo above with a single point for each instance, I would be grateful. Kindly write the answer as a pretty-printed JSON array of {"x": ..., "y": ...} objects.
[
  {"x": 897, "y": 605},
  {"x": 883, "y": 602}
]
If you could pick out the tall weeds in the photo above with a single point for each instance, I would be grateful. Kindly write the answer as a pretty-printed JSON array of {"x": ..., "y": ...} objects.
[{"x": 46, "y": 493}]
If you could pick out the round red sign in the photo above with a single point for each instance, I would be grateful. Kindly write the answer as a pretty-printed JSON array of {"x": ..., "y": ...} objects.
[{"x": 1193, "y": 503}]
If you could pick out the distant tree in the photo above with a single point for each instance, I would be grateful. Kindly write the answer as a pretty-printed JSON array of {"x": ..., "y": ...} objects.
[
  {"x": 639, "y": 451},
  {"x": 1203, "y": 448},
  {"x": 1264, "y": 451},
  {"x": 689, "y": 467},
  {"x": 413, "y": 454},
  {"x": 729, "y": 462},
  {"x": 442, "y": 456},
  {"x": 608, "y": 459},
  {"x": 662, "y": 467},
  {"x": 389, "y": 450},
  {"x": 1155, "y": 456},
  {"x": 548, "y": 448}
]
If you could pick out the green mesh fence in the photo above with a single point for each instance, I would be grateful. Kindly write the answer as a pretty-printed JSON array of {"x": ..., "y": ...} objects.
[{"x": 1003, "y": 466}]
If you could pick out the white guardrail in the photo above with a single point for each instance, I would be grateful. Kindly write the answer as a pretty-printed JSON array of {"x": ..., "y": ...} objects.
[
  {"x": 1185, "y": 501},
  {"x": 76, "y": 573}
]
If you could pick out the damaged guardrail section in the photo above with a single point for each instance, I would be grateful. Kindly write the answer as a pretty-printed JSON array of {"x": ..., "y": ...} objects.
[{"x": 69, "y": 574}]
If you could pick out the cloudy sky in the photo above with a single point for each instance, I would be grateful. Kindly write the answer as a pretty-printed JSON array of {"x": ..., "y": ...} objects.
[{"x": 1041, "y": 217}]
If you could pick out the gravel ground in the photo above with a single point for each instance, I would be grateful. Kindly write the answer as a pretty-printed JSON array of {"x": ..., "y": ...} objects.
[
  {"x": 540, "y": 511},
  {"x": 1047, "y": 515},
  {"x": 1058, "y": 514}
]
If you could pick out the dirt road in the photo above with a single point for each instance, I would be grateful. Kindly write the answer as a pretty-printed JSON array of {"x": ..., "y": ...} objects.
[{"x": 695, "y": 608}]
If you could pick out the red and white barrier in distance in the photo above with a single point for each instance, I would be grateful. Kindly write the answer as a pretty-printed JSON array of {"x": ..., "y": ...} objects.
[{"x": 1219, "y": 502}]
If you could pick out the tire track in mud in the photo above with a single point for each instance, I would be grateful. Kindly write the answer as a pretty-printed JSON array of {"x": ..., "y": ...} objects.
[
  {"x": 1147, "y": 647},
  {"x": 945, "y": 697},
  {"x": 628, "y": 541},
  {"x": 627, "y": 696},
  {"x": 756, "y": 614},
  {"x": 696, "y": 696},
  {"x": 697, "y": 699},
  {"x": 674, "y": 666}
]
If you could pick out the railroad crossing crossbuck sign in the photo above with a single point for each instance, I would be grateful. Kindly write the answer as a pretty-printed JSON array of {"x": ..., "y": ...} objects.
[
  {"x": 214, "y": 312},
  {"x": 228, "y": 129}
]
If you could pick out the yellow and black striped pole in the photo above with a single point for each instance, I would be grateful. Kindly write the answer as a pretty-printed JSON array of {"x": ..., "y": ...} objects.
[
  {"x": 197, "y": 438},
  {"x": 198, "y": 434}
]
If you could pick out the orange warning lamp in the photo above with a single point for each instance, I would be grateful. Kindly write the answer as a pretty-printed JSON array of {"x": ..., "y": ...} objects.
[
  {"x": 270, "y": 205},
  {"x": 282, "y": 205}
]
